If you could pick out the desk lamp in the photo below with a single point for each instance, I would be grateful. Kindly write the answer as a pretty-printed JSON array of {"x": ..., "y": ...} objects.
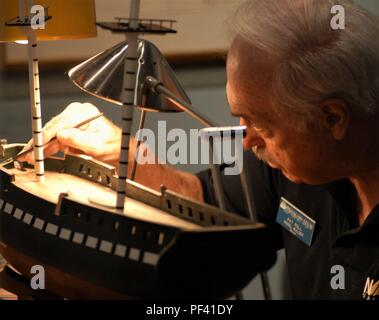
[{"x": 118, "y": 75}]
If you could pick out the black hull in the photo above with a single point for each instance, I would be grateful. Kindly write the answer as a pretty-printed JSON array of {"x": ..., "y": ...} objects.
[{"x": 75, "y": 257}]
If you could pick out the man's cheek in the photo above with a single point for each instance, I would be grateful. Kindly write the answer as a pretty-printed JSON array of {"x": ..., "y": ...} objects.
[{"x": 276, "y": 154}]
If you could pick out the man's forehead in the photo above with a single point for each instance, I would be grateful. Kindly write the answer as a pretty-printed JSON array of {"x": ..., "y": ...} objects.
[
  {"x": 242, "y": 50},
  {"x": 248, "y": 64},
  {"x": 249, "y": 79},
  {"x": 235, "y": 58},
  {"x": 248, "y": 70}
]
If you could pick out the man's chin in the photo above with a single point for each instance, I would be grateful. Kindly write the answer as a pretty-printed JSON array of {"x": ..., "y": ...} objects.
[
  {"x": 273, "y": 165},
  {"x": 288, "y": 176},
  {"x": 292, "y": 178}
]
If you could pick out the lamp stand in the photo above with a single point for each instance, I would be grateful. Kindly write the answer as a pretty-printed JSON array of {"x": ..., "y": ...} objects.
[{"x": 212, "y": 134}]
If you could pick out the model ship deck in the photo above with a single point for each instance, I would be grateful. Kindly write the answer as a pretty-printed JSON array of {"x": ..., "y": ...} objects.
[{"x": 91, "y": 194}]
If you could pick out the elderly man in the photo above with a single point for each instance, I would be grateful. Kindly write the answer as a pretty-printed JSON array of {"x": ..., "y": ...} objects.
[{"x": 309, "y": 96}]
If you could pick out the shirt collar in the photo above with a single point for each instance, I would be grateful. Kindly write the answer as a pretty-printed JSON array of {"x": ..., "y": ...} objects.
[{"x": 344, "y": 193}]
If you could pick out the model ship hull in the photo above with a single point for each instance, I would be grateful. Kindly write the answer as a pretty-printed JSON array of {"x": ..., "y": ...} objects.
[
  {"x": 62, "y": 243},
  {"x": 85, "y": 246}
]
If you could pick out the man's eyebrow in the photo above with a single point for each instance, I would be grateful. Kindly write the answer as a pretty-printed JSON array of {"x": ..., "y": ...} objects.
[{"x": 249, "y": 117}]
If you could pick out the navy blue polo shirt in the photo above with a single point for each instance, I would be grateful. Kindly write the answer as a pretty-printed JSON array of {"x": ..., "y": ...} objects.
[{"x": 342, "y": 261}]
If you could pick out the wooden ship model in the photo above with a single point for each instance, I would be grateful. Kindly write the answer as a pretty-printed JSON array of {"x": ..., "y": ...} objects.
[{"x": 100, "y": 235}]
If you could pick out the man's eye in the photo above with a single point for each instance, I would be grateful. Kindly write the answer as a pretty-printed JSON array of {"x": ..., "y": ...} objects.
[{"x": 253, "y": 124}]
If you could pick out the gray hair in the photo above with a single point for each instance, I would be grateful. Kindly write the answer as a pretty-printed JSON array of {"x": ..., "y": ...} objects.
[{"x": 312, "y": 62}]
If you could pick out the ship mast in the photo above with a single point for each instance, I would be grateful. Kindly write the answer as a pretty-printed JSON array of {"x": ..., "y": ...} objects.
[
  {"x": 34, "y": 92},
  {"x": 128, "y": 103}
]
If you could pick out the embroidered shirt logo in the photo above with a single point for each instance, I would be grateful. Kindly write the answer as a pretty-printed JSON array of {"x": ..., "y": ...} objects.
[{"x": 371, "y": 290}]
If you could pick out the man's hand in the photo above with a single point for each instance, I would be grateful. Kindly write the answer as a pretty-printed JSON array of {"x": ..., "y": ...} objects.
[{"x": 99, "y": 139}]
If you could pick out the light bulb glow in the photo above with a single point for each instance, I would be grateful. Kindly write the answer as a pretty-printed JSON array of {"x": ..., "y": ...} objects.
[{"x": 22, "y": 41}]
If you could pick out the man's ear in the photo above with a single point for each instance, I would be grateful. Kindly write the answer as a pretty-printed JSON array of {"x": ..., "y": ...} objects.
[{"x": 336, "y": 117}]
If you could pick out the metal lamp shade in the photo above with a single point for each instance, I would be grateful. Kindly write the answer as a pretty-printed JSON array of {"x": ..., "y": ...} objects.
[{"x": 103, "y": 77}]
